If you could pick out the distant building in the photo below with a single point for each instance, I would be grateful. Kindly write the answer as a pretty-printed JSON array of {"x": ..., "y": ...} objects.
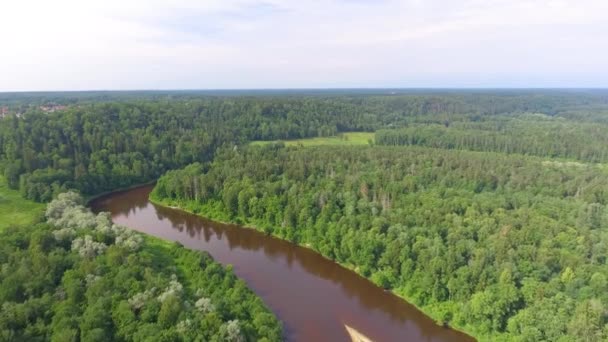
[
  {"x": 50, "y": 108},
  {"x": 4, "y": 112}
]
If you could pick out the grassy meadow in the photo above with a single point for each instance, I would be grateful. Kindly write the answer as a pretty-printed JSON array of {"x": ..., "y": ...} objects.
[
  {"x": 350, "y": 138},
  {"x": 14, "y": 210}
]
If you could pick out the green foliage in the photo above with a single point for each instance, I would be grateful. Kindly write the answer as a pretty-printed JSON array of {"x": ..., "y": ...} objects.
[
  {"x": 347, "y": 138},
  {"x": 484, "y": 241},
  {"x": 104, "y": 146},
  {"x": 55, "y": 288},
  {"x": 14, "y": 210},
  {"x": 503, "y": 246},
  {"x": 524, "y": 135},
  {"x": 98, "y": 144}
]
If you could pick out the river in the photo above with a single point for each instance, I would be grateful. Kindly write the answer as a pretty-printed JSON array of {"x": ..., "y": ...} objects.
[{"x": 314, "y": 297}]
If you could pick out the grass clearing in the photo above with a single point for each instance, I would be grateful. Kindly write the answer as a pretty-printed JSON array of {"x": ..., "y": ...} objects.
[
  {"x": 349, "y": 138},
  {"x": 15, "y": 210}
]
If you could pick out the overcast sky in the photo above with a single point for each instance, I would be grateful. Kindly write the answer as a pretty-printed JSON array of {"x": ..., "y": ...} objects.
[{"x": 216, "y": 44}]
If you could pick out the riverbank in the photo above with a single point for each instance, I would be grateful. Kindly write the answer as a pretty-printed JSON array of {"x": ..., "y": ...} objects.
[
  {"x": 211, "y": 212},
  {"x": 92, "y": 198},
  {"x": 312, "y": 295}
]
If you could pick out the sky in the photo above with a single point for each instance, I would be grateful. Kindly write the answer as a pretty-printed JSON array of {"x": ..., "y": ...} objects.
[{"x": 261, "y": 44}]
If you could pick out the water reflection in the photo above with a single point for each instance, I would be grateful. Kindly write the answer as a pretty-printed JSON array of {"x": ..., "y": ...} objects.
[{"x": 313, "y": 296}]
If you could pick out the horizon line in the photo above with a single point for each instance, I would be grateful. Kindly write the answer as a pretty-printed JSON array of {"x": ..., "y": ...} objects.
[{"x": 295, "y": 89}]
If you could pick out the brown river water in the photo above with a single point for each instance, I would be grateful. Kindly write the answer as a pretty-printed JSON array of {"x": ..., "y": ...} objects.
[{"x": 313, "y": 296}]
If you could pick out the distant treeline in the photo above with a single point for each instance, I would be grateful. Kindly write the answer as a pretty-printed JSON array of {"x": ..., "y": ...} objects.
[
  {"x": 545, "y": 138},
  {"x": 102, "y": 147},
  {"x": 100, "y": 144}
]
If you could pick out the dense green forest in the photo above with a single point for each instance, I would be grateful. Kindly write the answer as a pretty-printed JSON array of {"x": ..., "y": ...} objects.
[
  {"x": 503, "y": 246},
  {"x": 486, "y": 208},
  {"x": 102, "y": 147},
  {"x": 532, "y": 135},
  {"x": 97, "y": 144},
  {"x": 78, "y": 277}
]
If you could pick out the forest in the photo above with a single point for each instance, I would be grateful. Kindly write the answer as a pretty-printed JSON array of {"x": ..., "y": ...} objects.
[
  {"x": 103, "y": 146},
  {"x": 484, "y": 208},
  {"x": 531, "y": 135},
  {"x": 504, "y": 246},
  {"x": 75, "y": 276},
  {"x": 101, "y": 143}
]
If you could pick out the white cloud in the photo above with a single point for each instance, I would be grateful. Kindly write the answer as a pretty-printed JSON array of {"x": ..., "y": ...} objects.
[{"x": 123, "y": 44}]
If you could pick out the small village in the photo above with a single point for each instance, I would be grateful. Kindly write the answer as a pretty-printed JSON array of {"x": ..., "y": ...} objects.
[{"x": 6, "y": 112}]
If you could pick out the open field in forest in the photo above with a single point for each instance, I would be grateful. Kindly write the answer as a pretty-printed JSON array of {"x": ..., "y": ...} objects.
[
  {"x": 14, "y": 210},
  {"x": 349, "y": 138}
]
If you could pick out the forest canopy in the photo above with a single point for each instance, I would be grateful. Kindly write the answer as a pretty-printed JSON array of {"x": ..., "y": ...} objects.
[
  {"x": 104, "y": 141},
  {"x": 503, "y": 246},
  {"x": 78, "y": 277},
  {"x": 486, "y": 208}
]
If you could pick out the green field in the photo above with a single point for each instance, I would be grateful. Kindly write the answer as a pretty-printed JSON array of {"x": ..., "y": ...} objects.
[
  {"x": 14, "y": 210},
  {"x": 350, "y": 138}
]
